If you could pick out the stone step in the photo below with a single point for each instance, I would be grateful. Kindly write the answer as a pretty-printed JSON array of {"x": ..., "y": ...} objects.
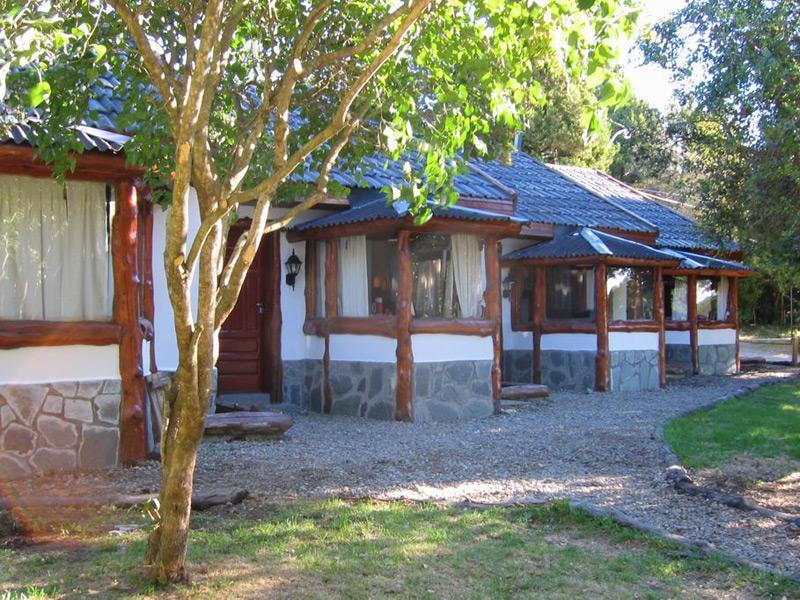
[
  {"x": 526, "y": 391},
  {"x": 239, "y": 424}
]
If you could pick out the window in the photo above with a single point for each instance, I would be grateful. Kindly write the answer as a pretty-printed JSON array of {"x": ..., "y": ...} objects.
[
  {"x": 630, "y": 294},
  {"x": 367, "y": 276},
  {"x": 570, "y": 293},
  {"x": 55, "y": 255},
  {"x": 524, "y": 290},
  {"x": 676, "y": 298},
  {"x": 448, "y": 276},
  {"x": 712, "y": 299},
  {"x": 319, "y": 297}
]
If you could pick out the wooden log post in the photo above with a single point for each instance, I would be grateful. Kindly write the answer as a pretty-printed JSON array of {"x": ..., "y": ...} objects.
[
  {"x": 602, "y": 359},
  {"x": 537, "y": 317},
  {"x": 310, "y": 291},
  {"x": 692, "y": 309},
  {"x": 733, "y": 308},
  {"x": 273, "y": 330},
  {"x": 659, "y": 310},
  {"x": 126, "y": 312},
  {"x": 331, "y": 310},
  {"x": 146, "y": 262},
  {"x": 494, "y": 313},
  {"x": 405, "y": 357}
]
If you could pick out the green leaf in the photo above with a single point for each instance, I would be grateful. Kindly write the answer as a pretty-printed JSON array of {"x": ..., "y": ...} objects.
[{"x": 38, "y": 93}]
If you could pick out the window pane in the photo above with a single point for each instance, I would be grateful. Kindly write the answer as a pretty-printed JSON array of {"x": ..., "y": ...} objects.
[
  {"x": 382, "y": 274},
  {"x": 570, "y": 293},
  {"x": 448, "y": 276},
  {"x": 525, "y": 296},
  {"x": 55, "y": 256},
  {"x": 630, "y": 293},
  {"x": 319, "y": 300},
  {"x": 676, "y": 298},
  {"x": 712, "y": 299}
]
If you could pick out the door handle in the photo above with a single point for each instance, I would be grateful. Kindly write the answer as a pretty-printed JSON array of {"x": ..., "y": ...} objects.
[{"x": 260, "y": 308}]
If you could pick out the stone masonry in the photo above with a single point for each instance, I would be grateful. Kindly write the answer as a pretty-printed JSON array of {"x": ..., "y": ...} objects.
[
  {"x": 363, "y": 389},
  {"x": 568, "y": 370},
  {"x": 302, "y": 383},
  {"x": 448, "y": 391},
  {"x": 518, "y": 366},
  {"x": 634, "y": 370},
  {"x": 717, "y": 359},
  {"x": 58, "y": 427}
]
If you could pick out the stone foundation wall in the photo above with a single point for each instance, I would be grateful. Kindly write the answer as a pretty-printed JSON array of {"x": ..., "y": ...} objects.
[
  {"x": 634, "y": 370},
  {"x": 679, "y": 355},
  {"x": 717, "y": 359},
  {"x": 449, "y": 391},
  {"x": 302, "y": 383},
  {"x": 58, "y": 427},
  {"x": 568, "y": 370},
  {"x": 518, "y": 366},
  {"x": 363, "y": 389}
]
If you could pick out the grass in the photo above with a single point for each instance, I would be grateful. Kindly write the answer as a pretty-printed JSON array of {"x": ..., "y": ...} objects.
[
  {"x": 755, "y": 332},
  {"x": 372, "y": 550},
  {"x": 765, "y": 423}
]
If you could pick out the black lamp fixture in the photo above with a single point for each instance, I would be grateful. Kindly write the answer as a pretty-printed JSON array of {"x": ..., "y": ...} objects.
[
  {"x": 293, "y": 264},
  {"x": 508, "y": 285}
]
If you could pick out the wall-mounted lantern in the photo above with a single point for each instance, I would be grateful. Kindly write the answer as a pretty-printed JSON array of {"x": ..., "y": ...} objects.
[
  {"x": 293, "y": 264},
  {"x": 508, "y": 285}
]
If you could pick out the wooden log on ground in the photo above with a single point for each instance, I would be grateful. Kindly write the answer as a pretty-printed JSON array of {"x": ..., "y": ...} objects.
[
  {"x": 248, "y": 423},
  {"x": 525, "y": 392}
]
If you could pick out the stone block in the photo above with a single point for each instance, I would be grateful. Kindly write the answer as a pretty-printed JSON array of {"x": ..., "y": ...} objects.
[
  {"x": 12, "y": 467},
  {"x": 57, "y": 432},
  {"x": 25, "y": 400},
  {"x": 66, "y": 388},
  {"x": 18, "y": 438},
  {"x": 53, "y": 404},
  {"x": 46, "y": 460},
  {"x": 89, "y": 389},
  {"x": 381, "y": 410},
  {"x": 108, "y": 408},
  {"x": 99, "y": 447},
  {"x": 78, "y": 410},
  {"x": 349, "y": 405},
  {"x": 112, "y": 386},
  {"x": 7, "y": 416}
]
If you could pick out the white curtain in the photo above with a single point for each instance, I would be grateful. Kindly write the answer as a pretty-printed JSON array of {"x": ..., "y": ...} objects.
[
  {"x": 618, "y": 293},
  {"x": 56, "y": 259},
  {"x": 680, "y": 299},
  {"x": 353, "y": 283},
  {"x": 468, "y": 273},
  {"x": 722, "y": 299}
]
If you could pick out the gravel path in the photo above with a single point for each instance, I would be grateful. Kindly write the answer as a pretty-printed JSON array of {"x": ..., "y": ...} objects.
[{"x": 596, "y": 448}]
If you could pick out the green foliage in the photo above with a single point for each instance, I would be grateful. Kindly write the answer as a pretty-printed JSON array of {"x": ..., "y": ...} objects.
[
  {"x": 739, "y": 63},
  {"x": 765, "y": 423},
  {"x": 468, "y": 70},
  {"x": 644, "y": 150}
]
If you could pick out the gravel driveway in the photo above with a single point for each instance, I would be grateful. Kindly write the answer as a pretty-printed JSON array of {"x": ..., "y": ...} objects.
[{"x": 597, "y": 448}]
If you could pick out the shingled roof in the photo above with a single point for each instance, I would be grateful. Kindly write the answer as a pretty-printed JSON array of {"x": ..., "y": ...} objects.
[
  {"x": 377, "y": 210},
  {"x": 674, "y": 229},
  {"x": 545, "y": 196},
  {"x": 590, "y": 243}
]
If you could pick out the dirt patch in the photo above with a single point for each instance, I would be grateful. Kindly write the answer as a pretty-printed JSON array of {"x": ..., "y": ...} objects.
[{"x": 783, "y": 494}]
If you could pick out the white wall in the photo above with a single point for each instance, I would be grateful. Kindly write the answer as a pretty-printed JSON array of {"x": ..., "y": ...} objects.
[
  {"x": 571, "y": 342},
  {"x": 714, "y": 337},
  {"x": 441, "y": 347},
  {"x": 363, "y": 348},
  {"x": 49, "y": 364},
  {"x": 677, "y": 337},
  {"x": 513, "y": 340},
  {"x": 633, "y": 340},
  {"x": 164, "y": 326}
]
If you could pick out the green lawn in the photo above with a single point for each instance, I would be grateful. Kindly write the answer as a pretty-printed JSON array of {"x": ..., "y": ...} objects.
[
  {"x": 750, "y": 332},
  {"x": 765, "y": 423},
  {"x": 373, "y": 550}
]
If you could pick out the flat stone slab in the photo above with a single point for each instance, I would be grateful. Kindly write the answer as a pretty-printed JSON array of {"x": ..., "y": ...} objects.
[
  {"x": 524, "y": 392},
  {"x": 248, "y": 423}
]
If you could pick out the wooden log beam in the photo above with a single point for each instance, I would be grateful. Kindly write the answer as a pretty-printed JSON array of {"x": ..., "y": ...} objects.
[
  {"x": 602, "y": 360},
  {"x": 20, "y": 334},
  {"x": 659, "y": 314},
  {"x": 568, "y": 327},
  {"x": 405, "y": 357},
  {"x": 494, "y": 314},
  {"x": 478, "y": 327},
  {"x": 126, "y": 309},
  {"x": 89, "y": 166},
  {"x": 692, "y": 302}
]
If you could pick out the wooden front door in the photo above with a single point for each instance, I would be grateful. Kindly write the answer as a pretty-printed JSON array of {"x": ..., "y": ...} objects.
[{"x": 245, "y": 340}]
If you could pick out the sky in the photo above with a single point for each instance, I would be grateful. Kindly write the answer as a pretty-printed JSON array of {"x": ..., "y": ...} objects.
[{"x": 651, "y": 83}]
